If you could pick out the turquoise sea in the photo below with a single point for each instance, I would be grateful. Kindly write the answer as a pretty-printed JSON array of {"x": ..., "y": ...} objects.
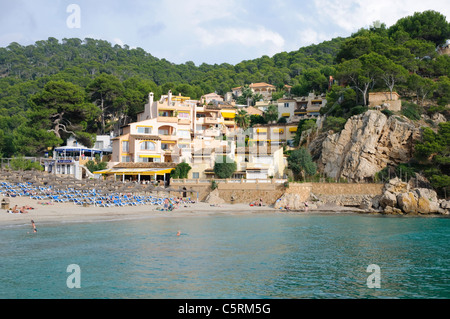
[{"x": 260, "y": 255}]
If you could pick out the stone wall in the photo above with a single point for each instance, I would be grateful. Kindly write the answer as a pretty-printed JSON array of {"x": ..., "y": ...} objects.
[
  {"x": 346, "y": 189},
  {"x": 342, "y": 194}
]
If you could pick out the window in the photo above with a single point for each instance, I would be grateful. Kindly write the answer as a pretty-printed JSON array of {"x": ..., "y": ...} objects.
[
  {"x": 147, "y": 146},
  {"x": 125, "y": 146},
  {"x": 183, "y": 115},
  {"x": 164, "y": 146},
  {"x": 195, "y": 175},
  {"x": 163, "y": 131},
  {"x": 126, "y": 159},
  {"x": 99, "y": 145},
  {"x": 144, "y": 130},
  {"x": 286, "y": 104},
  {"x": 149, "y": 160}
]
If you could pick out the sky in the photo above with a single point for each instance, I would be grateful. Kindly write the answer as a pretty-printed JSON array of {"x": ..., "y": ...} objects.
[{"x": 202, "y": 31}]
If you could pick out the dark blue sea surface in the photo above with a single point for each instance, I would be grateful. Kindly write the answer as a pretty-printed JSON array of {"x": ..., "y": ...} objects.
[{"x": 260, "y": 255}]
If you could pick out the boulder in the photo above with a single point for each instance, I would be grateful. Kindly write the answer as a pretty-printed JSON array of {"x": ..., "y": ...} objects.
[
  {"x": 396, "y": 186},
  {"x": 419, "y": 201},
  {"x": 408, "y": 202},
  {"x": 388, "y": 199}
]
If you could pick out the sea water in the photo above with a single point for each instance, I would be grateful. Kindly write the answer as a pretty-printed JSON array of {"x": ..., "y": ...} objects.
[{"x": 260, "y": 255}]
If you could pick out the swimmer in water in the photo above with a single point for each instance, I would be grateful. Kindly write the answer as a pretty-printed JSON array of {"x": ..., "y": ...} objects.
[
  {"x": 34, "y": 226},
  {"x": 179, "y": 233}
]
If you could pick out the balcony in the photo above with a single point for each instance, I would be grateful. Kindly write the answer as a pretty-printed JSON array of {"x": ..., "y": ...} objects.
[
  {"x": 172, "y": 137},
  {"x": 184, "y": 121},
  {"x": 229, "y": 122},
  {"x": 167, "y": 119},
  {"x": 200, "y": 120},
  {"x": 211, "y": 120}
]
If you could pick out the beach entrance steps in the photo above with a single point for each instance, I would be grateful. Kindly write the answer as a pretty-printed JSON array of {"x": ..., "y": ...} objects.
[{"x": 5, "y": 203}]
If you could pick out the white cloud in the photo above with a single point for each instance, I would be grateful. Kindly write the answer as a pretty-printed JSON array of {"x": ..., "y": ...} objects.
[
  {"x": 118, "y": 41},
  {"x": 351, "y": 15},
  {"x": 241, "y": 36}
]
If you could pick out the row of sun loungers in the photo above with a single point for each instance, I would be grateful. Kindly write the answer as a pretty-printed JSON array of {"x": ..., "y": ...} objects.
[{"x": 78, "y": 197}]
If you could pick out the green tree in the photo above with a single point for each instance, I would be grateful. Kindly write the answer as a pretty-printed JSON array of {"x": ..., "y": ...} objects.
[
  {"x": 300, "y": 162},
  {"x": 303, "y": 125},
  {"x": 428, "y": 25},
  {"x": 181, "y": 171},
  {"x": 422, "y": 87},
  {"x": 224, "y": 167},
  {"x": 60, "y": 108},
  {"x": 271, "y": 114},
  {"x": 242, "y": 119},
  {"x": 433, "y": 152},
  {"x": 105, "y": 91}
]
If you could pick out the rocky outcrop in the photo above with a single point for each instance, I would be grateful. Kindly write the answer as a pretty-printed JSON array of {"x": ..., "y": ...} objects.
[
  {"x": 366, "y": 145},
  {"x": 399, "y": 198},
  {"x": 293, "y": 202},
  {"x": 214, "y": 198}
]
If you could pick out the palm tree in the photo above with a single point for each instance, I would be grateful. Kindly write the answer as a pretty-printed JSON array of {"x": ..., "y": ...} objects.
[
  {"x": 242, "y": 119},
  {"x": 271, "y": 115}
]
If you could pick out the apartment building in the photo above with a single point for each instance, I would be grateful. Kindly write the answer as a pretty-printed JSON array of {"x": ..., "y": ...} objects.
[
  {"x": 176, "y": 129},
  {"x": 298, "y": 108}
]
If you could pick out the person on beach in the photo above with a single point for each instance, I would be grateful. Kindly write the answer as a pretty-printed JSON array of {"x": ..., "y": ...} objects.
[
  {"x": 23, "y": 210},
  {"x": 15, "y": 210},
  {"x": 306, "y": 206}
]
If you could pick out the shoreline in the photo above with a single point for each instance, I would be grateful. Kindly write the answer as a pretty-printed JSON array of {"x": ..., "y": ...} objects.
[{"x": 71, "y": 213}]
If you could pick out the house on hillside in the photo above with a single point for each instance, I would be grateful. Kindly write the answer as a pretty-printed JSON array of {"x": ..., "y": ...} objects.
[
  {"x": 298, "y": 108},
  {"x": 262, "y": 88},
  {"x": 380, "y": 99}
]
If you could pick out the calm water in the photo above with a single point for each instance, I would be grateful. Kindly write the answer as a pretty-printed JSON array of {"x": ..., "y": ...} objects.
[{"x": 249, "y": 256}]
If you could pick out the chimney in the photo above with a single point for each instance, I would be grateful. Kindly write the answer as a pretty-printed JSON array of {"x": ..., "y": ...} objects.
[
  {"x": 169, "y": 97},
  {"x": 148, "y": 110}
]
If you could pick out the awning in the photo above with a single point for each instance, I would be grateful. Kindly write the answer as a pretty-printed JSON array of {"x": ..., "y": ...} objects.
[
  {"x": 278, "y": 130},
  {"x": 261, "y": 130},
  {"x": 168, "y": 142},
  {"x": 229, "y": 114},
  {"x": 293, "y": 129},
  {"x": 135, "y": 171},
  {"x": 286, "y": 114},
  {"x": 150, "y": 156}
]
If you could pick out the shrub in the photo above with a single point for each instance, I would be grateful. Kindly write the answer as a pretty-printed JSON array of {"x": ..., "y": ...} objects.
[
  {"x": 411, "y": 110},
  {"x": 224, "y": 167},
  {"x": 181, "y": 171},
  {"x": 21, "y": 164},
  {"x": 335, "y": 124}
]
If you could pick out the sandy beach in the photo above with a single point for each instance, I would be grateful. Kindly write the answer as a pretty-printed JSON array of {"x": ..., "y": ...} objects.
[{"x": 69, "y": 212}]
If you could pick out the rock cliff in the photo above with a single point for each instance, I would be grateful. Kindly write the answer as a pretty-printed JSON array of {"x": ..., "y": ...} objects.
[
  {"x": 367, "y": 144},
  {"x": 400, "y": 198}
]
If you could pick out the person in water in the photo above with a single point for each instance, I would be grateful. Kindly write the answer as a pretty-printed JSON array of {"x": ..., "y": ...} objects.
[{"x": 34, "y": 227}]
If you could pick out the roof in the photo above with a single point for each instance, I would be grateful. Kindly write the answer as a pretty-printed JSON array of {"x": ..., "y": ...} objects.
[
  {"x": 253, "y": 111},
  {"x": 261, "y": 84}
]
